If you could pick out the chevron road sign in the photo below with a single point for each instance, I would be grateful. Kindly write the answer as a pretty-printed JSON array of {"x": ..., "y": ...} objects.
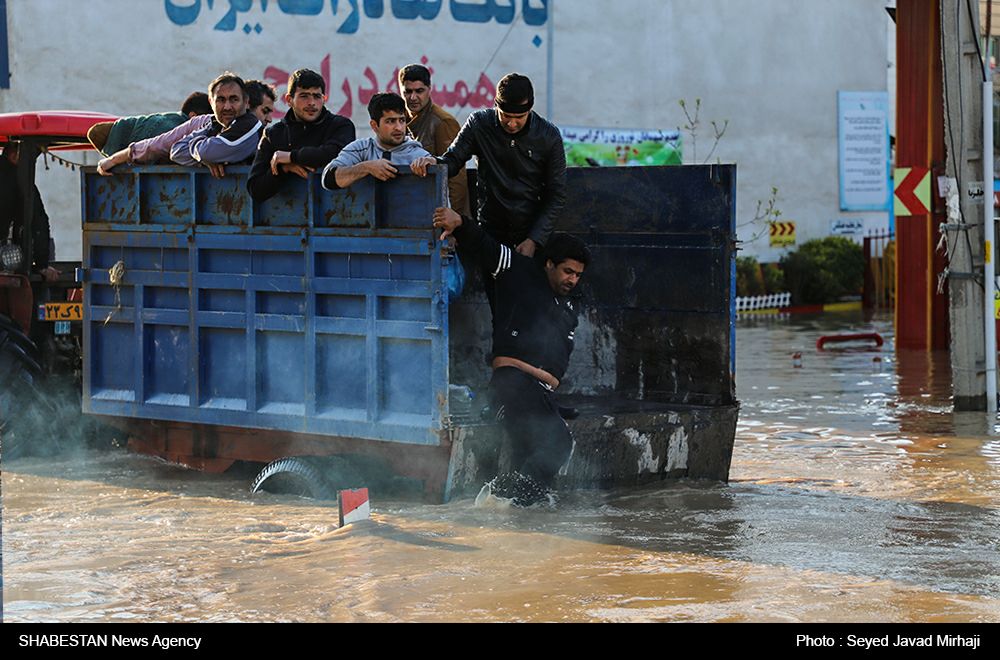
[
  {"x": 912, "y": 191},
  {"x": 782, "y": 233}
]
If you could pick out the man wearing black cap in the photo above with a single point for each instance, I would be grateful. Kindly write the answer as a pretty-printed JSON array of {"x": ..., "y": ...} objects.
[{"x": 522, "y": 166}]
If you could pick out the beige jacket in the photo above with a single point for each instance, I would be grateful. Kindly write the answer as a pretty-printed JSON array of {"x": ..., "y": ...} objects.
[{"x": 435, "y": 129}]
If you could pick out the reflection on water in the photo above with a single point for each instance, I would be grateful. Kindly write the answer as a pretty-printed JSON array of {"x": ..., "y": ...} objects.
[{"x": 856, "y": 494}]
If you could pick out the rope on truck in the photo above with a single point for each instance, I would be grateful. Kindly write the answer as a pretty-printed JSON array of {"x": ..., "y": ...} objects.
[{"x": 116, "y": 276}]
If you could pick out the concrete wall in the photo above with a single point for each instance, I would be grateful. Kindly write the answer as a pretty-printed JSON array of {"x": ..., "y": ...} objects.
[{"x": 770, "y": 67}]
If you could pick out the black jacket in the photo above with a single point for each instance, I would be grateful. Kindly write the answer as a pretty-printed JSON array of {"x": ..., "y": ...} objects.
[
  {"x": 11, "y": 206},
  {"x": 530, "y": 321},
  {"x": 312, "y": 144},
  {"x": 521, "y": 178}
]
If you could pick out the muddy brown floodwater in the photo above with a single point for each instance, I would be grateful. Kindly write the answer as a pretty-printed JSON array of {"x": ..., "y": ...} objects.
[{"x": 856, "y": 495}]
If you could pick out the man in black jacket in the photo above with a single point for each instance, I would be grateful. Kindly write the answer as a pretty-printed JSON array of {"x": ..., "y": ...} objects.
[
  {"x": 308, "y": 137},
  {"x": 522, "y": 166},
  {"x": 533, "y": 324}
]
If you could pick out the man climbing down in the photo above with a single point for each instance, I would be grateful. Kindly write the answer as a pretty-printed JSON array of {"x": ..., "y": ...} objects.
[{"x": 533, "y": 324}]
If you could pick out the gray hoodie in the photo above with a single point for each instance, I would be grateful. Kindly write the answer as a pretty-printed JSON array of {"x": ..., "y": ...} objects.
[
  {"x": 216, "y": 143},
  {"x": 370, "y": 148}
]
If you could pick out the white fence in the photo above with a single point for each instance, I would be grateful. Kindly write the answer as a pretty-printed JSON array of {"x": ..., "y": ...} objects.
[{"x": 770, "y": 301}]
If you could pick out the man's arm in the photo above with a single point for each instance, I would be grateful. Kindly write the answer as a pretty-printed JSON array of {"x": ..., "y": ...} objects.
[
  {"x": 473, "y": 242},
  {"x": 105, "y": 165},
  {"x": 340, "y": 136},
  {"x": 262, "y": 183},
  {"x": 153, "y": 149},
  {"x": 352, "y": 165},
  {"x": 345, "y": 176},
  {"x": 463, "y": 147},
  {"x": 158, "y": 148},
  {"x": 554, "y": 198},
  {"x": 236, "y": 143}
]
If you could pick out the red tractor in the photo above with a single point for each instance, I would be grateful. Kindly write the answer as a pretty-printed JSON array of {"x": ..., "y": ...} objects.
[{"x": 39, "y": 341}]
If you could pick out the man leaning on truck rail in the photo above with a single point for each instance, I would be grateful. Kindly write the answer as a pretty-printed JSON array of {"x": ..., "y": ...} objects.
[
  {"x": 232, "y": 136},
  {"x": 261, "y": 98},
  {"x": 230, "y": 143},
  {"x": 308, "y": 137},
  {"x": 109, "y": 137},
  {"x": 377, "y": 156}
]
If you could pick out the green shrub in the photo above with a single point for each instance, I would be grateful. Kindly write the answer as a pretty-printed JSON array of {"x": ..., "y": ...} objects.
[
  {"x": 749, "y": 279},
  {"x": 754, "y": 279},
  {"x": 774, "y": 278},
  {"x": 824, "y": 270}
]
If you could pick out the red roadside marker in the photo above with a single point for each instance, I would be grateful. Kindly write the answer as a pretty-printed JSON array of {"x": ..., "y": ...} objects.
[{"x": 354, "y": 505}]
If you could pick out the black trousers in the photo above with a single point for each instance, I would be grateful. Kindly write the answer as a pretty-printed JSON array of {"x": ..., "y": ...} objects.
[{"x": 540, "y": 440}]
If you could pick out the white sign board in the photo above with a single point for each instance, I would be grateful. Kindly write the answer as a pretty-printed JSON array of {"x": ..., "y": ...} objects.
[
  {"x": 975, "y": 192},
  {"x": 863, "y": 144},
  {"x": 847, "y": 227}
]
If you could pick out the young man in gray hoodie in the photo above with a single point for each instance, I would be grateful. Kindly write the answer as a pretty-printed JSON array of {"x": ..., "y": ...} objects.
[{"x": 376, "y": 156}]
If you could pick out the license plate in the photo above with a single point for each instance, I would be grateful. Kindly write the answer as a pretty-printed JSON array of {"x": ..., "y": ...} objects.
[{"x": 62, "y": 311}]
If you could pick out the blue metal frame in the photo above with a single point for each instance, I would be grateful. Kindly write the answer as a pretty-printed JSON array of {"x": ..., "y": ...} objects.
[
  {"x": 315, "y": 312},
  {"x": 4, "y": 48}
]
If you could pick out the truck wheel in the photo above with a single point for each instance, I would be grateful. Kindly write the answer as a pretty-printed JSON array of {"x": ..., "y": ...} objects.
[
  {"x": 11, "y": 333},
  {"x": 295, "y": 475}
]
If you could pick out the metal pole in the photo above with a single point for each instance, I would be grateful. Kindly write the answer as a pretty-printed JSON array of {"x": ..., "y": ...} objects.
[
  {"x": 989, "y": 325},
  {"x": 550, "y": 57}
]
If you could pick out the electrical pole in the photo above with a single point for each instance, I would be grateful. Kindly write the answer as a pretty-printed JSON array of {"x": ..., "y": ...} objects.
[{"x": 963, "y": 228}]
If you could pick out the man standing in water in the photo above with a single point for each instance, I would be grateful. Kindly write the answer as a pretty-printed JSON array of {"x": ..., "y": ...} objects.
[{"x": 533, "y": 325}]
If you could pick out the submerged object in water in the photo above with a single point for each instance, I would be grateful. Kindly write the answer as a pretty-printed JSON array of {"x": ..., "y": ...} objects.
[
  {"x": 517, "y": 489},
  {"x": 863, "y": 336}
]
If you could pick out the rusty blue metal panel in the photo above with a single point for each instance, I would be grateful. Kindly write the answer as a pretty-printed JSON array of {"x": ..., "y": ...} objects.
[
  {"x": 170, "y": 198},
  {"x": 222, "y": 295},
  {"x": 325, "y": 316}
]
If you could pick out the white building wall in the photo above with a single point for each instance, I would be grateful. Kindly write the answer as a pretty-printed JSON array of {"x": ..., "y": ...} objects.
[{"x": 771, "y": 67}]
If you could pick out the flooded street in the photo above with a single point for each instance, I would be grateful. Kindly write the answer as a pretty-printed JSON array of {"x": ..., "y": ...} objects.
[{"x": 855, "y": 495}]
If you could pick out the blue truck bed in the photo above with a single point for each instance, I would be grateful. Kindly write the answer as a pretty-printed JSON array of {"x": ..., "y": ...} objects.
[{"x": 217, "y": 329}]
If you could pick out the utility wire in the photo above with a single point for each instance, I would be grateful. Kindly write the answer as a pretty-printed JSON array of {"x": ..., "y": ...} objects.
[
  {"x": 503, "y": 40},
  {"x": 979, "y": 51}
]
